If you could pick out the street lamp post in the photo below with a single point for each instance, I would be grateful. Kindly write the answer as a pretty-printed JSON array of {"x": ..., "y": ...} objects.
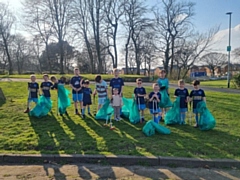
[{"x": 229, "y": 49}]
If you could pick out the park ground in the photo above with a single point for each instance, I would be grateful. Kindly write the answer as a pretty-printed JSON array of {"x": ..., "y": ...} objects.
[
  {"x": 22, "y": 134},
  {"x": 102, "y": 172}
]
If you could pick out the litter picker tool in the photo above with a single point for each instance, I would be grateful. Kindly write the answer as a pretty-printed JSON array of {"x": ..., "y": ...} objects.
[{"x": 190, "y": 114}]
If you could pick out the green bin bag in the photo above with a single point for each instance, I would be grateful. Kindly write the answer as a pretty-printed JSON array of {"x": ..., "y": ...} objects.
[
  {"x": 207, "y": 121},
  {"x": 148, "y": 129},
  {"x": 63, "y": 100},
  {"x": 42, "y": 108},
  {"x": 165, "y": 100},
  {"x": 105, "y": 112},
  {"x": 160, "y": 129},
  {"x": 151, "y": 127},
  {"x": 126, "y": 107},
  {"x": 134, "y": 115},
  {"x": 173, "y": 116}
]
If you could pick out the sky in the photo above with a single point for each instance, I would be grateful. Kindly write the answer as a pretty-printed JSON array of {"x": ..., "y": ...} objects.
[{"x": 209, "y": 13}]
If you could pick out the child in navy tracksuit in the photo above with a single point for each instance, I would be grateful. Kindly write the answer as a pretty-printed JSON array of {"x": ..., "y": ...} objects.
[
  {"x": 197, "y": 95},
  {"x": 140, "y": 93},
  {"x": 154, "y": 100},
  {"x": 87, "y": 100},
  {"x": 182, "y": 92},
  {"x": 33, "y": 90}
]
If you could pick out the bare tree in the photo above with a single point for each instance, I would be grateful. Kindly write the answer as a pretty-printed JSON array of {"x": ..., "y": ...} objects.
[
  {"x": 171, "y": 23},
  {"x": 213, "y": 60},
  {"x": 81, "y": 19},
  {"x": 37, "y": 21},
  {"x": 113, "y": 9},
  {"x": 6, "y": 22},
  {"x": 136, "y": 24},
  {"x": 236, "y": 52},
  {"x": 190, "y": 50},
  {"x": 60, "y": 15}
]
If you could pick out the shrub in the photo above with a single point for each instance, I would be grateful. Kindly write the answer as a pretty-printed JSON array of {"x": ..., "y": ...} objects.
[{"x": 236, "y": 80}]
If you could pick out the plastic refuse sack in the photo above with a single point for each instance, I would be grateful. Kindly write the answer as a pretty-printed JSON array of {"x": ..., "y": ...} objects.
[
  {"x": 134, "y": 115},
  {"x": 63, "y": 99},
  {"x": 105, "y": 112},
  {"x": 130, "y": 110},
  {"x": 165, "y": 100},
  {"x": 126, "y": 107},
  {"x": 151, "y": 127},
  {"x": 173, "y": 116},
  {"x": 161, "y": 129},
  {"x": 207, "y": 121},
  {"x": 42, "y": 108},
  {"x": 148, "y": 129}
]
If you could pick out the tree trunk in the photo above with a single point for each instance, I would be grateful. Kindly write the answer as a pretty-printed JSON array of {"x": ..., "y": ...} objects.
[
  {"x": 61, "y": 56},
  {"x": 115, "y": 65},
  {"x": 126, "y": 54},
  {"x": 10, "y": 69},
  {"x": 172, "y": 57}
]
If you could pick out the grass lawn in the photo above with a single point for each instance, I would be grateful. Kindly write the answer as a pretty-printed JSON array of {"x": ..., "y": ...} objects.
[
  {"x": 217, "y": 83},
  {"x": 53, "y": 134}
]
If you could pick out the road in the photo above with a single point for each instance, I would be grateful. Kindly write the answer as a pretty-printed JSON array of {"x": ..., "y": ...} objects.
[
  {"x": 90, "y": 171},
  {"x": 206, "y": 88}
]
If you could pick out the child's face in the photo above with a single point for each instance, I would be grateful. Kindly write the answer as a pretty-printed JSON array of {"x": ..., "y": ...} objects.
[
  {"x": 196, "y": 86},
  {"x": 45, "y": 78},
  {"x": 181, "y": 85},
  {"x": 156, "y": 88},
  {"x": 77, "y": 72},
  {"x": 86, "y": 85},
  {"x": 116, "y": 73},
  {"x": 115, "y": 92},
  {"x": 139, "y": 83},
  {"x": 54, "y": 80},
  {"x": 33, "y": 78},
  {"x": 162, "y": 74}
]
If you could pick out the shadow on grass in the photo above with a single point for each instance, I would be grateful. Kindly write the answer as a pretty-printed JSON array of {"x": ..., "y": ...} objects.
[{"x": 2, "y": 102}]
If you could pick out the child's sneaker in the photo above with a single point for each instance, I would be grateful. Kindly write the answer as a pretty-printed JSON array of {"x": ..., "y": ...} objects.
[
  {"x": 77, "y": 113},
  {"x": 195, "y": 126},
  {"x": 142, "y": 120},
  {"x": 90, "y": 114},
  {"x": 116, "y": 119},
  {"x": 119, "y": 119},
  {"x": 83, "y": 116},
  {"x": 27, "y": 110},
  {"x": 66, "y": 113}
]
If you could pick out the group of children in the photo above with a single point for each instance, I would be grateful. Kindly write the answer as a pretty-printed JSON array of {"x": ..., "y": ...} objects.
[{"x": 82, "y": 94}]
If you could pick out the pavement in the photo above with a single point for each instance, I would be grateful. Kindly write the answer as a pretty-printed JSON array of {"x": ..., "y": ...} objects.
[
  {"x": 93, "y": 171},
  {"x": 206, "y": 88}
]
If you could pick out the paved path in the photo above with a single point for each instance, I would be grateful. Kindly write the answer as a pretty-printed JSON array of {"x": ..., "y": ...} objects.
[
  {"x": 206, "y": 88},
  {"x": 89, "y": 171}
]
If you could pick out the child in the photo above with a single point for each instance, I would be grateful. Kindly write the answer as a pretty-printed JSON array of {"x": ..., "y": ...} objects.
[
  {"x": 76, "y": 85},
  {"x": 140, "y": 93},
  {"x": 197, "y": 95},
  {"x": 117, "y": 82},
  {"x": 163, "y": 84},
  {"x": 33, "y": 90},
  {"x": 182, "y": 92},
  {"x": 116, "y": 103},
  {"x": 46, "y": 86},
  {"x": 154, "y": 100},
  {"x": 86, "y": 97},
  {"x": 101, "y": 89},
  {"x": 61, "y": 95}
]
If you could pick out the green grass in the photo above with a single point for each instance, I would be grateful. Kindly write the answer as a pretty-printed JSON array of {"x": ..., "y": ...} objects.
[
  {"x": 53, "y": 134},
  {"x": 90, "y": 77},
  {"x": 217, "y": 83}
]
